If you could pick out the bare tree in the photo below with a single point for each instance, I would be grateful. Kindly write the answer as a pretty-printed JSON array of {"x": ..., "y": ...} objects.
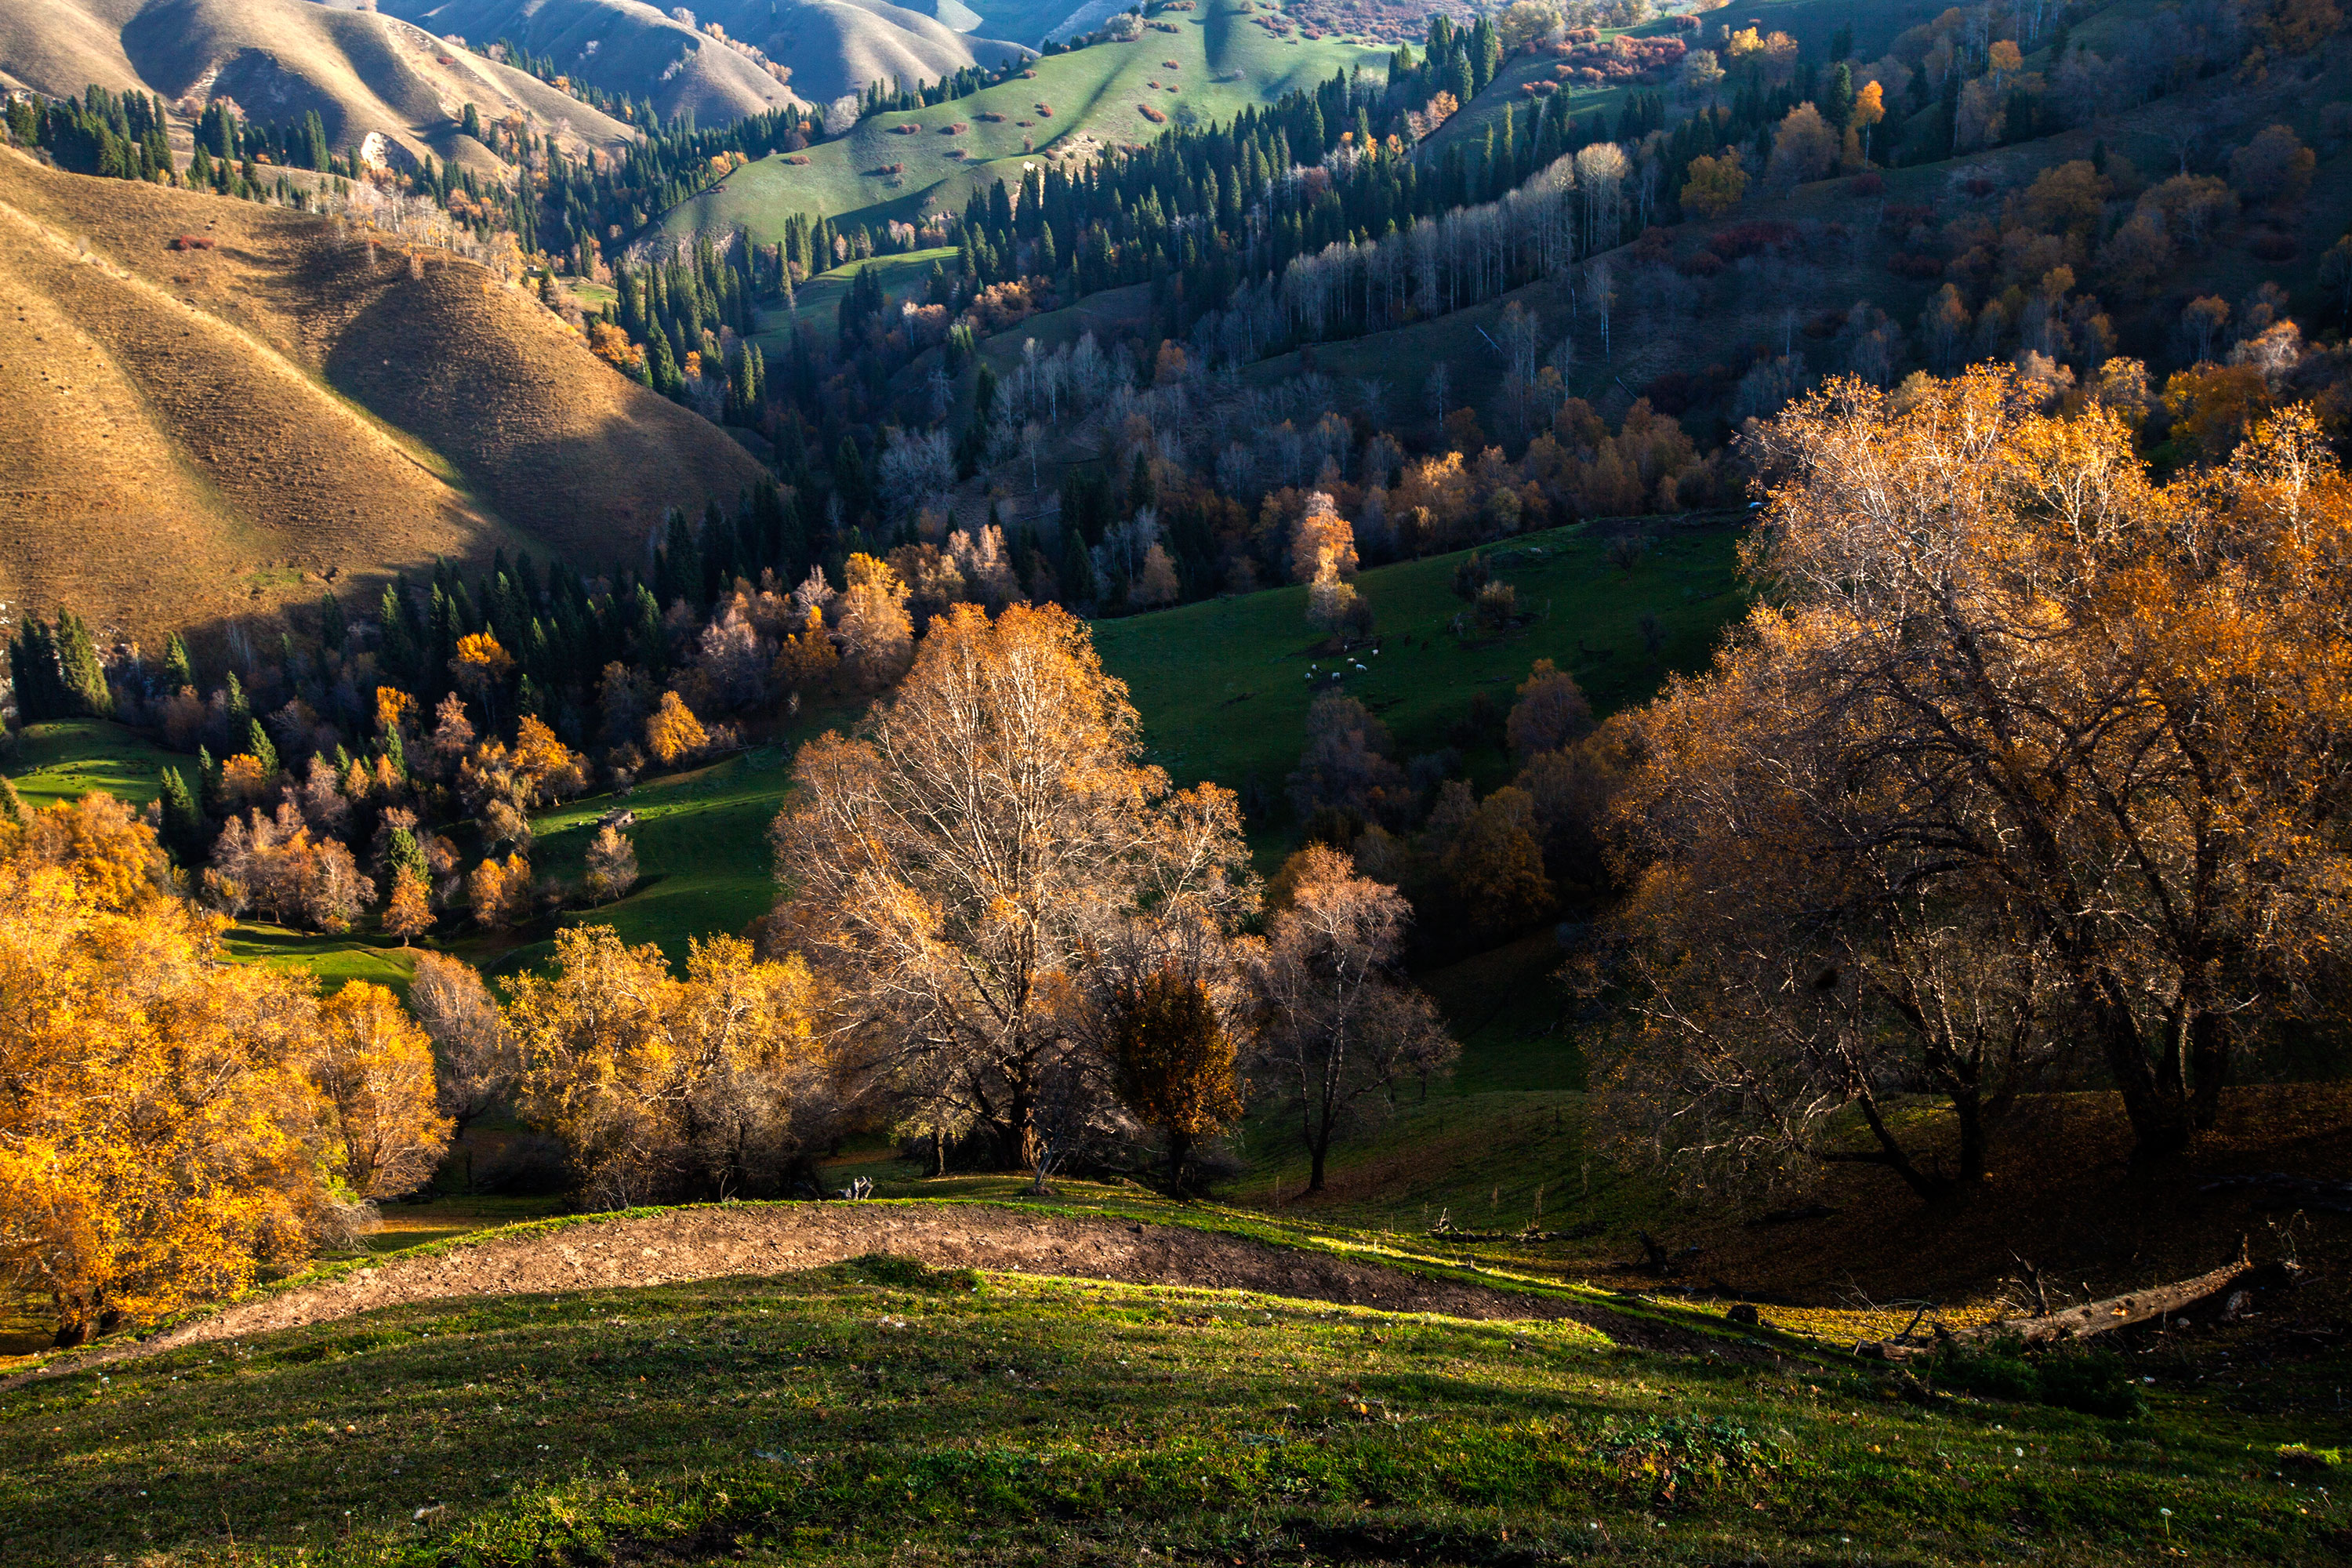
[
  {"x": 1338, "y": 1029},
  {"x": 952, "y": 872}
]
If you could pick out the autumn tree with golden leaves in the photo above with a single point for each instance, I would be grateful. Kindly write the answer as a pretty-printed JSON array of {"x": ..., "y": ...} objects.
[
  {"x": 965, "y": 872},
  {"x": 712, "y": 1086},
  {"x": 164, "y": 1136},
  {"x": 2019, "y": 749},
  {"x": 1339, "y": 1030}
]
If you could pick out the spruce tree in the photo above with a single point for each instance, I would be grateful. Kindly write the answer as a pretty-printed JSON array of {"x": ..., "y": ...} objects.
[
  {"x": 33, "y": 669},
  {"x": 1141, "y": 493},
  {"x": 182, "y": 826},
  {"x": 179, "y": 669},
  {"x": 399, "y": 650},
  {"x": 257, "y": 743},
  {"x": 1078, "y": 569},
  {"x": 332, "y": 626},
  {"x": 403, "y": 853},
  {"x": 79, "y": 668}
]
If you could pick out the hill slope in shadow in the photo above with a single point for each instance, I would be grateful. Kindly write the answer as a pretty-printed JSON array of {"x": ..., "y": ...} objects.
[{"x": 211, "y": 432}]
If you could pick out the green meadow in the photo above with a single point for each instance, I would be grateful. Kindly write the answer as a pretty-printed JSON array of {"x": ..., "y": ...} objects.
[
  {"x": 1224, "y": 63},
  {"x": 1224, "y": 685},
  {"x": 74, "y": 757}
]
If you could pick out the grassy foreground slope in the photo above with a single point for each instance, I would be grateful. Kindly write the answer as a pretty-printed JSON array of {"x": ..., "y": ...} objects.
[
  {"x": 213, "y": 431},
  {"x": 1223, "y": 64},
  {"x": 883, "y": 1411}
]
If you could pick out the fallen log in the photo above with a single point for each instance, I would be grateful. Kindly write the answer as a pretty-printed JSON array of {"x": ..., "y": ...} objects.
[{"x": 2222, "y": 1287}]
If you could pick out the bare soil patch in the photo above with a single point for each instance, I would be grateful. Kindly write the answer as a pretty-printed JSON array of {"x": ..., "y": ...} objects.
[{"x": 689, "y": 1243}]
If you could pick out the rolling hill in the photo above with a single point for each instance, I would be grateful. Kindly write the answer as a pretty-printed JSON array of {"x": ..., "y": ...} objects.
[
  {"x": 279, "y": 59},
  {"x": 208, "y": 432},
  {"x": 880, "y": 170},
  {"x": 822, "y": 48}
]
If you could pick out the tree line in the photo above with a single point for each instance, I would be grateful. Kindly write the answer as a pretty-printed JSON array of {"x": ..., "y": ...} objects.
[{"x": 1103, "y": 987}]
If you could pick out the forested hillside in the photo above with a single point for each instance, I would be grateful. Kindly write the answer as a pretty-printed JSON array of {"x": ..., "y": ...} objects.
[{"x": 1255, "y": 781}]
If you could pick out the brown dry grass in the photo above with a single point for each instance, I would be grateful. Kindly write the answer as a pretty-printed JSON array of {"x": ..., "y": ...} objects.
[
  {"x": 202, "y": 434},
  {"x": 279, "y": 58}
]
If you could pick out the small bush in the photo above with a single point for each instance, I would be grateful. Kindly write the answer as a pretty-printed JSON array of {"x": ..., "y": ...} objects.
[
  {"x": 1751, "y": 239},
  {"x": 908, "y": 1273},
  {"x": 1471, "y": 573},
  {"x": 2095, "y": 1383}
]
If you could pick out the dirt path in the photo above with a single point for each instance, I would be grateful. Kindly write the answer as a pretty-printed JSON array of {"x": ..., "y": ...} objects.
[{"x": 716, "y": 1243}]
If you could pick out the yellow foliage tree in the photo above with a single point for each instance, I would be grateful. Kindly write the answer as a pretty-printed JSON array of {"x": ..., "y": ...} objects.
[
  {"x": 1716, "y": 184},
  {"x": 501, "y": 891},
  {"x": 672, "y": 730},
  {"x": 374, "y": 1067},
  {"x": 162, "y": 1138},
  {"x": 2026, "y": 754},
  {"x": 410, "y": 912},
  {"x": 806, "y": 661},
  {"x": 669, "y": 1088},
  {"x": 993, "y": 834}
]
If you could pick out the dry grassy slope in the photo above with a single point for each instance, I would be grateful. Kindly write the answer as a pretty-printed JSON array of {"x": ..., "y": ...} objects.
[
  {"x": 280, "y": 58},
  {"x": 831, "y": 46},
  {"x": 201, "y": 433}
]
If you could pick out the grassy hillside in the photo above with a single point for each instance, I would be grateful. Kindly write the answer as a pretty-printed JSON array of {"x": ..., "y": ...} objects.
[
  {"x": 1223, "y": 686},
  {"x": 1223, "y": 689},
  {"x": 66, "y": 760},
  {"x": 280, "y": 59},
  {"x": 880, "y": 1409},
  {"x": 212, "y": 432},
  {"x": 1093, "y": 92},
  {"x": 701, "y": 839},
  {"x": 818, "y": 302}
]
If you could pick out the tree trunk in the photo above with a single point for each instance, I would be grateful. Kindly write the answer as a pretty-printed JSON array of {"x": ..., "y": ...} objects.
[
  {"x": 2209, "y": 1068},
  {"x": 1970, "y": 1115},
  {"x": 1891, "y": 1154},
  {"x": 2157, "y": 1103},
  {"x": 1314, "y": 1167},
  {"x": 1180, "y": 1148}
]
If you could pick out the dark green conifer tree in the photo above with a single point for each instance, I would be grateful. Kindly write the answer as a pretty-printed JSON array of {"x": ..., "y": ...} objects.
[
  {"x": 79, "y": 668},
  {"x": 183, "y": 827},
  {"x": 179, "y": 669},
  {"x": 258, "y": 742}
]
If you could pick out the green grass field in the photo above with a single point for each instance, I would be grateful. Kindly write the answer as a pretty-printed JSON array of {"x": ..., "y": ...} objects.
[
  {"x": 880, "y": 1411},
  {"x": 702, "y": 851},
  {"x": 818, "y": 302},
  {"x": 74, "y": 757},
  {"x": 1093, "y": 92},
  {"x": 1223, "y": 686}
]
